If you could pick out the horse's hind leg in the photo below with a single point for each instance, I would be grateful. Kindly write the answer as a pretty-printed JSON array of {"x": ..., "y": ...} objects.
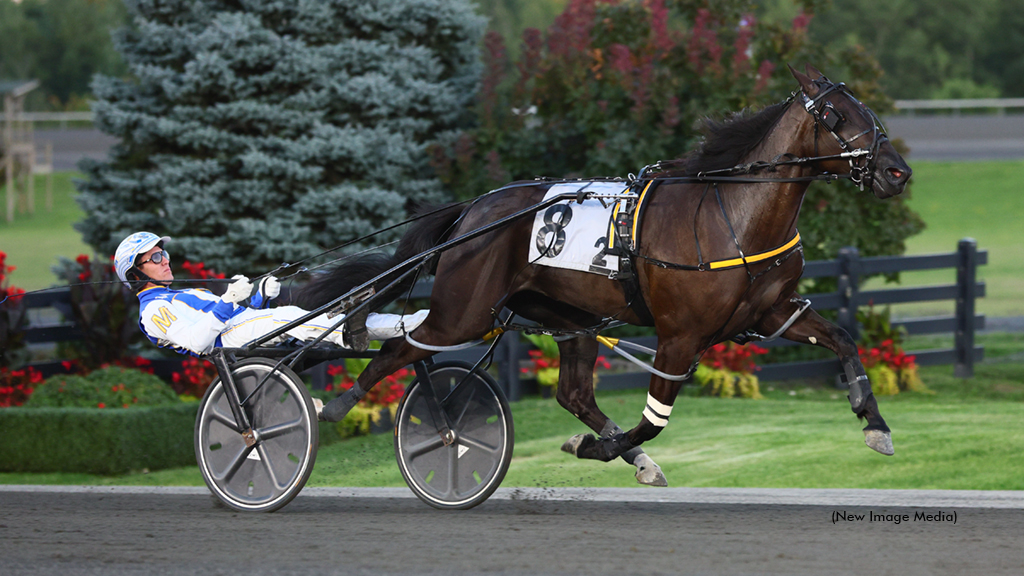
[
  {"x": 577, "y": 357},
  {"x": 811, "y": 328}
]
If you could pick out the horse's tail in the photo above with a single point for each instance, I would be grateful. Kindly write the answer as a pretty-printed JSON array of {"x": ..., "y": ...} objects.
[{"x": 421, "y": 236}]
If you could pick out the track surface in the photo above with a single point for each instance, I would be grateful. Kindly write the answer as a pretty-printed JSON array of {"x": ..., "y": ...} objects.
[{"x": 182, "y": 531}]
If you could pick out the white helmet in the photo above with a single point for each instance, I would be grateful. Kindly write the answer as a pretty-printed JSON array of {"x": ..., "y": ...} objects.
[{"x": 132, "y": 246}]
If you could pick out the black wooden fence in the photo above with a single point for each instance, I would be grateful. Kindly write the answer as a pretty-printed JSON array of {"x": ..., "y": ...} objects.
[{"x": 848, "y": 268}]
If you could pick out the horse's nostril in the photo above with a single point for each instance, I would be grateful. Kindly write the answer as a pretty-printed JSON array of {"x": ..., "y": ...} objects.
[{"x": 896, "y": 175}]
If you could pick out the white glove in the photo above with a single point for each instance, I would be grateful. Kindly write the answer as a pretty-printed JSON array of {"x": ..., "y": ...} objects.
[
  {"x": 270, "y": 287},
  {"x": 238, "y": 290}
]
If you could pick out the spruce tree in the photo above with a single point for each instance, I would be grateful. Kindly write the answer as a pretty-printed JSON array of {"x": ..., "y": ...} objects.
[{"x": 260, "y": 131}]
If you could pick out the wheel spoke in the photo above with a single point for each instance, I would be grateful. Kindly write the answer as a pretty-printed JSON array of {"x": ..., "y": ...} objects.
[
  {"x": 479, "y": 445},
  {"x": 280, "y": 429},
  {"x": 453, "y": 472},
  {"x": 265, "y": 460},
  {"x": 232, "y": 468},
  {"x": 225, "y": 419},
  {"x": 465, "y": 406},
  {"x": 422, "y": 448}
]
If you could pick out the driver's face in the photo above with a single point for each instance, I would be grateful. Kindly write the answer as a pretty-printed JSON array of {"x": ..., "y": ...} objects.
[{"x": 160, "y": 272}]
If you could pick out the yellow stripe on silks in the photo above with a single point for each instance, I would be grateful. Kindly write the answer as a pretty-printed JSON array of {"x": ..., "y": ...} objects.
[
  {"x": 755, "y": 257},
  {"x": 609, "y": 342},
  {"x": 636, "y": 212},
  {"x": 611, "y": 227}
]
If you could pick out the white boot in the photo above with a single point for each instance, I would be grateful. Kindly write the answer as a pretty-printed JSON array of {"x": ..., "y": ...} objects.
[{"x": 387, "y": 326}]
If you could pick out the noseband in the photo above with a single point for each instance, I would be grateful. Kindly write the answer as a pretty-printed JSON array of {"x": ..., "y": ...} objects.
[{"x": 827, "y": 116}]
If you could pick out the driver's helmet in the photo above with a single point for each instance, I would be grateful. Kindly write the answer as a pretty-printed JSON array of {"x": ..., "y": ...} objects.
[{"x": 132, "y": 246}]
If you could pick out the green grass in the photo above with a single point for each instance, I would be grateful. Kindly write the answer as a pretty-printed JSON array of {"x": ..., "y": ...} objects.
[
  {"x": 964, "y": 434},
  {"x": 981, "y": 200},
  {"x": 33, "y": 242}
]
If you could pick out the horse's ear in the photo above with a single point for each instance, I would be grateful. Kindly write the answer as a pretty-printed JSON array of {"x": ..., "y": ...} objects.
[
  {"x": 805, "y": 81},
  {"x": 813, "y": 72}
]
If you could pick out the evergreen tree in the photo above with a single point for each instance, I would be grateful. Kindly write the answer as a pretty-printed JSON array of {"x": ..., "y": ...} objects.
[{"x": 260, "y": 131}]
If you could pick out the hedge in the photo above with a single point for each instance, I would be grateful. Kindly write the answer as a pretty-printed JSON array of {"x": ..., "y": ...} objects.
[{"x": 97, "y": 441}]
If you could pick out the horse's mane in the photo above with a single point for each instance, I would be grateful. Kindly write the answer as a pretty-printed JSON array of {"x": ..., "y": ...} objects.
[{"x": 728, "y": 142}]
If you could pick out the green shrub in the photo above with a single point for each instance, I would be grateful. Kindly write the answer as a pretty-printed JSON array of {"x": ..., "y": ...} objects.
[
  {"x": 112, "y": 387},
  {"x": 96, "y": 441}
]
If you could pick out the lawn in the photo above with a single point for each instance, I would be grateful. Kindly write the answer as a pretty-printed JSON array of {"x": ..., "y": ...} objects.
[
  {"x": 964, "y": 434},
  {"x": 33, "y": 242},
  {"x": 981, "y": 200},
  {"x": 956, "y": 200}
]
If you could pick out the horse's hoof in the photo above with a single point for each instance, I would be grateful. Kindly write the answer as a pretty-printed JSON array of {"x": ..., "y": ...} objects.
[
  {"x": 573, "y": 444},
  {"x": 649, "y": 473},
  {"x": 879, "y": 441}
]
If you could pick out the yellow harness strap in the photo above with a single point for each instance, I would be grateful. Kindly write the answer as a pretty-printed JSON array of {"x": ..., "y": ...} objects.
[{"x": 755, "y": 257}]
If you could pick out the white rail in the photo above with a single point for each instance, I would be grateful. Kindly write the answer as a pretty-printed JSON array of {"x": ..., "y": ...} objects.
[
  {"x": 1000, "y": 104},
  {"x": 902, "y": 105}
]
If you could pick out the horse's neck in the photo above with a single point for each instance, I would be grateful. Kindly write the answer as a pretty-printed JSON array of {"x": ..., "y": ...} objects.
[{"x": 767, "y": 214}]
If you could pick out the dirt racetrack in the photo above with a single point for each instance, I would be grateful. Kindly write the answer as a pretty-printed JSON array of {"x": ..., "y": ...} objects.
[{"x": 182, "y": 531}]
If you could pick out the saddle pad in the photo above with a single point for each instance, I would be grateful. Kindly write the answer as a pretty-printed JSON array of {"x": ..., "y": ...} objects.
[{"x": 575, "y": 236}]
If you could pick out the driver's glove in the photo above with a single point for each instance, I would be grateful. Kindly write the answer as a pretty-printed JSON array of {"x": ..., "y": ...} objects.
[
  {"x": 238, "y": 290},
  {"x": 270, "y": 288}
]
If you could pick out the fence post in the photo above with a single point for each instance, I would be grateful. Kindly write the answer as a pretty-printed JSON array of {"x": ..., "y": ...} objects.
[
  {"x": 508, "y": 372},
  {"x": 849, "y": 288},
  {"x": 318, "y": 376},
  {"x": 966, "y": 282}
]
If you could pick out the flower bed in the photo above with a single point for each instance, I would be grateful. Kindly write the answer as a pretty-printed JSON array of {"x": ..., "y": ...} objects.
[
  {"x": 727, "y": 371},
  {"x": 376, "y": 411},
  {"x": 889, "y": 368}
]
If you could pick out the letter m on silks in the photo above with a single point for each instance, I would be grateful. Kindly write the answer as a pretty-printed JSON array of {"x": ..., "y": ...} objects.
[{"x": 164, "y": 319}]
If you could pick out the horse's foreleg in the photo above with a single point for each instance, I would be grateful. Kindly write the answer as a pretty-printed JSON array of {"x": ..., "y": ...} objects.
[
  {"x": 672, "y": 358},
  {"x": 577, "y": 357},
  {"x": 811, "y": 328}
]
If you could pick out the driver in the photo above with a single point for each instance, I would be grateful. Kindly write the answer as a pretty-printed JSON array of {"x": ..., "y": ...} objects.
[{"x": 195, "y": 321}]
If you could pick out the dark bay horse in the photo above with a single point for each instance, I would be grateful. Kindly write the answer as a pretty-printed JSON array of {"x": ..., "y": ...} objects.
[{"x": 686, "y": 224}]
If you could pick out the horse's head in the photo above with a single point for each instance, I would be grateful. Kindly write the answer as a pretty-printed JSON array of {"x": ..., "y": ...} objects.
[{"x": 845, "y": 126}]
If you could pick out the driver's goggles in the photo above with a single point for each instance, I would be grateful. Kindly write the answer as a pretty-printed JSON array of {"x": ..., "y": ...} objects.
[{"x": 157, "y": 258}]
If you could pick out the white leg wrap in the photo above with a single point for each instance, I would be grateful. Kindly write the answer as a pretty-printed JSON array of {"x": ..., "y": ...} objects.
[
  {"x": 656, "y": 412},
  {"x": 387, "y": 326}
]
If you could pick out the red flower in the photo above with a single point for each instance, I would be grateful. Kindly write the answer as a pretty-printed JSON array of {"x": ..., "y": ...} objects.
[{"x": 101, "y": 405}]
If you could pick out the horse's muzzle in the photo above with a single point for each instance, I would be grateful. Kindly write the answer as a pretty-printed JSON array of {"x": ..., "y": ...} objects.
[{"x": 891, "y": 176}]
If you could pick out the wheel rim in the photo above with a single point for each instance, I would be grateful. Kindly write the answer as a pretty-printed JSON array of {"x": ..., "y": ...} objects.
[
  {"x": 453, "y": 474},
  {"x": 265, "y": 475}
]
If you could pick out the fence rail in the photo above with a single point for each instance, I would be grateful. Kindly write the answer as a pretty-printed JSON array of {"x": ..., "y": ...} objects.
[
  {"x": 909, "y": 106},
  {"x": 848, "y": 268},
  {"x": 999, "y": 104}
]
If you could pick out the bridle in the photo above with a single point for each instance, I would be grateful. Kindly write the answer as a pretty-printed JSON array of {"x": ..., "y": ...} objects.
[
  {"x": 862, "y": 160},
  {"x": 826, "y": 115}
]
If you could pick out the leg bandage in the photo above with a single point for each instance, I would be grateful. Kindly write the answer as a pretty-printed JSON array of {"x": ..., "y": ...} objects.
[{"x": 656, "y": 412}]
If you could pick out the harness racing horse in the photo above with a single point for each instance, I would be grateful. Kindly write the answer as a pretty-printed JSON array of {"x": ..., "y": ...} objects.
[{"x": 700, "y": 264}]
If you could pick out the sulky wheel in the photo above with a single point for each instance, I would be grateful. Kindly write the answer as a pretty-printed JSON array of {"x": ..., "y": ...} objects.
[
  {"x": 460, "y": 469},
  {"x": 268, "y": 475}
]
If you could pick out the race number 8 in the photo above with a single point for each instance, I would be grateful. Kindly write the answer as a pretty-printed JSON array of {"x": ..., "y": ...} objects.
[{"x": 551, "y": 248}]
